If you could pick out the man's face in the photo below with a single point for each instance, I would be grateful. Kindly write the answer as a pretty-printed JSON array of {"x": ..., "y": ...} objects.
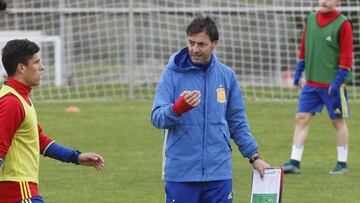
[
  {"x": 200, "y": 47},
  {"x": 328, "y": 5},
  {"x": 33, "y": 70}
]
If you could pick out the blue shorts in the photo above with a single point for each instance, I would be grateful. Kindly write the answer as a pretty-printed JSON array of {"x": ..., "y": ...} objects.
[
  {"x": 36, "y": 199},
  {"x": 313, "y": 99},
  {"x": 199, "y": 192}
]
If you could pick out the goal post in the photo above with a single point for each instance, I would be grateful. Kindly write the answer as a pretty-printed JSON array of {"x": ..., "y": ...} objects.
[
  {"x": 117, "y": 49},
  {"x": 42, "y": 41}
]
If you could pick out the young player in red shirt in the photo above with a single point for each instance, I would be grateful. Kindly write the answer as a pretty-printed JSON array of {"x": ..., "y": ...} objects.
[{"x": 21, "y": 137}]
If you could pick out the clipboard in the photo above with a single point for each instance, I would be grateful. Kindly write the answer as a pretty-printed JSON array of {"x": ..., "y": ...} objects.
[{"x": 268, "y": 190}]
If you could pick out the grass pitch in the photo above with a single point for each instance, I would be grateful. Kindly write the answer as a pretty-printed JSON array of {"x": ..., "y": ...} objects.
[{"x": 122, "y": 133}]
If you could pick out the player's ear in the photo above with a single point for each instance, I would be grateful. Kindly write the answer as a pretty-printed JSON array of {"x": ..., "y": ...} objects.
[{"x": 20, "y": 68}]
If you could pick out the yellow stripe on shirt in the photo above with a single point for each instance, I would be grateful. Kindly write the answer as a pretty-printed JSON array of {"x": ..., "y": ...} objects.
[
  {"x": 21, "y": 190},
  {"x": 25, "y": 190},
  {"x": 28, "y": 190}
]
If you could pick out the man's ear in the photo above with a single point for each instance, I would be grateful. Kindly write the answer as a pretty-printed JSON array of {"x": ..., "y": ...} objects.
[
  {"x": 20, "y": 68},
  {"x": 214, "y": 44}
]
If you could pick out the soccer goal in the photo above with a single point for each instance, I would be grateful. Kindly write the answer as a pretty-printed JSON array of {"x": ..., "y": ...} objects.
[
  {"x": 119, "y": 48},
  {"x": 50, "y": 47}
]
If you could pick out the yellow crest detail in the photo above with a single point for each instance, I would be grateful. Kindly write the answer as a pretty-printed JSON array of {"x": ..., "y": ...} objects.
[
  {"x": 221, "y": 96},
  {"x": 337, "y": 111}
]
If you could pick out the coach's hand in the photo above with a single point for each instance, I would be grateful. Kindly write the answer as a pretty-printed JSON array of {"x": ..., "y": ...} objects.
[
  {"x": 193, "y": 98},
  {"x": 91, "y": 159},
  {"x": 260, "y": 165},
  {"x": 187, "y": 100}
]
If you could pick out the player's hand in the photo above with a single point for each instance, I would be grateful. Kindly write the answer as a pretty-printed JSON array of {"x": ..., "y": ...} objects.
[
  {"x": 260, "y": 165},
  {"x": 298, "y": 85},
  {"x": 333, "y": 90},
  {"x": 91, "y": 159},
  {"x": 297, "y": 82}
]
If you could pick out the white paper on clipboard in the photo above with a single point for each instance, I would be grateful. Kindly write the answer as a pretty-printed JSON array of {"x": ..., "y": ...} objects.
[{"x": 269, "y": 189}]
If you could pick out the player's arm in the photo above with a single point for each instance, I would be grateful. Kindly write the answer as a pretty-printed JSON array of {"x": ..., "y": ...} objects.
[
  {"x": 300, "y": 64},
  {"x": 346, "y": 52},
  {"x": 52, "y": 149},
  {"x": 346, "y": 46},
  {"x": 301, "y": 54},
  {"x": 11, "y": 116}
]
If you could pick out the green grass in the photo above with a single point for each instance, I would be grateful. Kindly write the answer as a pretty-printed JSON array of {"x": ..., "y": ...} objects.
[{"x": 131, "y": 147}]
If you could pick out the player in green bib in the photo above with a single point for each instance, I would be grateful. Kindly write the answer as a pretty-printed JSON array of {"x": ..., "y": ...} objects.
[{"x": 326, "y": 57}]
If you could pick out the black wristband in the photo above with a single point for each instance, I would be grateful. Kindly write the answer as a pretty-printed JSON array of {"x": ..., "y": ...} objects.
[
  {"x": 254, "y": 158},
  {"x": 75, "y": 157}
]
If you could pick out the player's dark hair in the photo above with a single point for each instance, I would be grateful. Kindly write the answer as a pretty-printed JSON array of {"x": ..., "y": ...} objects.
[
  {"x": 17, "y": 51},
  {"x": 203, "y": 24}
]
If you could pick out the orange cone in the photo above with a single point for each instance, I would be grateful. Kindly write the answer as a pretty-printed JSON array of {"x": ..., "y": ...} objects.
[{"x": 72, "y": 109}]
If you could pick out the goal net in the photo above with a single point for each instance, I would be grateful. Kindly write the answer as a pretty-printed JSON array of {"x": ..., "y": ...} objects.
[{"x": 106, "y": 49}]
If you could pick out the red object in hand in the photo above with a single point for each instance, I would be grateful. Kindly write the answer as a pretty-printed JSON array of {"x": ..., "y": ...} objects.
[{"x": 181, "y": 106}]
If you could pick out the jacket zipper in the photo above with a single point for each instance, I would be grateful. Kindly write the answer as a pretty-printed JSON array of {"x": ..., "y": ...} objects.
[{"x": 205, "y": 126}]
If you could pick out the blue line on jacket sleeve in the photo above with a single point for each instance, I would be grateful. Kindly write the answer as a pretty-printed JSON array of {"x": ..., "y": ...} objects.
[
  {"x": 61, "y": 153},
  {"x": 1, "y": 161}
]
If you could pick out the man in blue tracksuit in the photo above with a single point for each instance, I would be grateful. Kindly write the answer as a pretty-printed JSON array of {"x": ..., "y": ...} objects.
[{"x": 199, "y": 104}]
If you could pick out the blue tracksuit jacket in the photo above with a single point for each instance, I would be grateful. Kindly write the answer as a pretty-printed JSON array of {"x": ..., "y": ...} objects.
[{"x": 197, "y": 143}]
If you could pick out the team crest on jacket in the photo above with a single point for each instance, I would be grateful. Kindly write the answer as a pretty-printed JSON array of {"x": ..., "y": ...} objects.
[{"x": 221, "y": 96}]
